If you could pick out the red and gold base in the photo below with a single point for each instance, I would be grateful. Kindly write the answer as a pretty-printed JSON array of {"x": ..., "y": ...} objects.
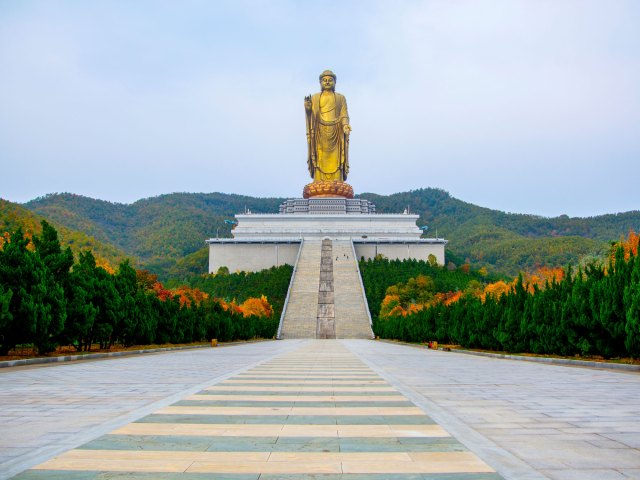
[{"x": 328, "y": 188}]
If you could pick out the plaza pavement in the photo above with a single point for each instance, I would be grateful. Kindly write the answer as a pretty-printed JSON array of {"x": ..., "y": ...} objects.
[{"x": 318, "y": 409}]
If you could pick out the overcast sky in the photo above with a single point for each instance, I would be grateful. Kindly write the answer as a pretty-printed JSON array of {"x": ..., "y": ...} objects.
[{"x": 523, "y": 106}]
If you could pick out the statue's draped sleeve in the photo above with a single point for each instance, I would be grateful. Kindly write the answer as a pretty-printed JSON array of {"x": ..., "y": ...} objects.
[{"x": 344, "y": 115}]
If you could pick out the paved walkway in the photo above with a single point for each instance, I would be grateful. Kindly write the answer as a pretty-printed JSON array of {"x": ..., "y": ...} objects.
[
  {"x": 319, "y": 409},
  {"x": 564, "y": 423},
  {"x": 46, "y": 410}
]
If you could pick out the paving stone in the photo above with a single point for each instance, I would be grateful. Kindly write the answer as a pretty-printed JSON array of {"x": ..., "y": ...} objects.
[
  {"x": 83, "y": 400},
  {"x": 526, "y": 420},
  {"x": 554, "y": 418},
  {"x": 585, "y": 474},
  {"x": 190, "y": 437}
]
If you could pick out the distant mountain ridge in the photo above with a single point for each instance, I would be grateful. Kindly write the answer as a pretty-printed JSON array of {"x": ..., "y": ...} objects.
[
  {"x": 13, "y": 215},
  {"x": 156, "y": 231},
  {"x": 166, "y": 233},
  {"x": 509, "y": 242}
]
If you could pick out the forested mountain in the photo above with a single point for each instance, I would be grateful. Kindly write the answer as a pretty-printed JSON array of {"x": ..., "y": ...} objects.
[
  {"x": 508, "y": 242},
  {"x": 157, "y": 231},
  {"x": 13, "y": 216},
  {"x": 439, "y": 209},
  {"x": 166, "y": 233}
]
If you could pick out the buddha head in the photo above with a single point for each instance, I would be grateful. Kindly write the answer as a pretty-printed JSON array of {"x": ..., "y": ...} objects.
[{"x": 328, "y": 81}]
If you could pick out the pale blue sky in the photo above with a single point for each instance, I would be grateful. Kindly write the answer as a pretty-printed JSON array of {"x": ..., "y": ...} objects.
[{"x": 523, "y": 106}]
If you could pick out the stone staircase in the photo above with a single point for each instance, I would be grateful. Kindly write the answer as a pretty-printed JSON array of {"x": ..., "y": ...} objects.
[
  {"x": 351, "y": 311},
  {"x": 299, "y": 319},
  {"x": 326, "y": 299}
]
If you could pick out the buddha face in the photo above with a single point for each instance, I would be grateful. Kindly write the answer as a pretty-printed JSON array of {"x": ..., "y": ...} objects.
[{"x": 328, "y": 83}]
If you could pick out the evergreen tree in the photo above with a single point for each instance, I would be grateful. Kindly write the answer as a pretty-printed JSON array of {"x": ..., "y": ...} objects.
[
  {"x": 58, "y": 262},
  {"x": 82, "y": 312},
  {"x": 109, "y": 306},
  {"x": 36, "y": 306},
  {"x": 632, "y": 304},
  {"x": 131, "y": 312},
  {"x": 5, "y": 315}
]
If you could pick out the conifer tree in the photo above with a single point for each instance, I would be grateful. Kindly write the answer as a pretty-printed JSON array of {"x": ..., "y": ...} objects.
[
  {"x": 58, "y": 262},
  {"x": 82, "y": 312},
  {"x": 131, "y": 312},
  {"x": 632, "y": 305},
  {"x": 36, "y": 306}
]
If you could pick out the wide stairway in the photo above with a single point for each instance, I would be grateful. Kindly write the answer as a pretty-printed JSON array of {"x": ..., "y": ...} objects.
[
  {"x": 300, "y": 318},
  {"x": 352, "y": 317},
  {"x": 326, "y": 299}
]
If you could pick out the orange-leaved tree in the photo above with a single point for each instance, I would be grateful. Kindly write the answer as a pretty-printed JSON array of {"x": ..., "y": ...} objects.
[
  {"x": 259, "y": 307},
  {"x": 629, "y": 245}
]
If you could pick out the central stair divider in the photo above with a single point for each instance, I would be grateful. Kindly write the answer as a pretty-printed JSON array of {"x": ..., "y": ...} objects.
[{"x": 326, "y": 327}]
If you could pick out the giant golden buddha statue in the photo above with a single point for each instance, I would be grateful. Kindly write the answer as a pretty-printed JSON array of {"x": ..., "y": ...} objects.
[{"x": 328, "y": 132}]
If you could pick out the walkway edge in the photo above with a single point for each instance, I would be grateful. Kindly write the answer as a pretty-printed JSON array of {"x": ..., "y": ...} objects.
[
  {"x": 96, "y": 356},
  {"x": 504, "y": 462},
  {"x": 555, "y": 361},
  {"x": 527, "y": 358}
]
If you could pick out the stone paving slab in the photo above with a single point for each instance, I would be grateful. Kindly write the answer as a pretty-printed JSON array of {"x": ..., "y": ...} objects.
[
  {"x": 561, "y": 422},
  {"x": 338, "y": 439},
  {"x": 48, "y": 409},
  {"x": 525, "y": 420}
]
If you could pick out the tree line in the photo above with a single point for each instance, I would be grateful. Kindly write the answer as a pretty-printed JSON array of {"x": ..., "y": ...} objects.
[
  {"x": 48, "y": 298},
  {"x": 592, "y": 310},
  {"x": 272, "y": 282},
  {"x": 379, "y": 273}
]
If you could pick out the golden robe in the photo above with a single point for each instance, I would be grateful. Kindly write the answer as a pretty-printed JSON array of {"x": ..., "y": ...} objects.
[{"x": 328, "y": 157}]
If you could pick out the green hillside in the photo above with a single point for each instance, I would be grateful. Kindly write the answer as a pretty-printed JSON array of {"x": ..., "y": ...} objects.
[
  {"x": 508, "y": 242},
  {"x": 440, "y": 210},
  {"x": 13, "y": 216},
  {"x": 166, "y": 233},
  {"x": 187, "y": 267},
  {"x": 157, "y": 231}
]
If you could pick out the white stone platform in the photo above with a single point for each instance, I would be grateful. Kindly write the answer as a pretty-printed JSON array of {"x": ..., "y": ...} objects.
[
  {"x": 264, "y": 240},
  {"x": 336, "y": 226},
  {"x": 272, "y": 239}
]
